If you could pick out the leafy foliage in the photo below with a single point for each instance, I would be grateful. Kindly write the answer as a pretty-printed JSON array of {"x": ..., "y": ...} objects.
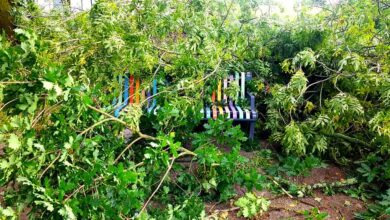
[
  {"x": 218, "y": 170},
  {"x": 315, "y": 214},
  {"x": 250, "y": 205},
  {"x": 322, "y": 85},
  {"x": 331, "y": 98},
  {"x": 293, "y": 166}
]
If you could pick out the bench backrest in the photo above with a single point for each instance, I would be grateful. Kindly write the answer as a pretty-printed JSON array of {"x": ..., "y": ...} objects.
[
  {"x": 220, "y": 95},
  {"x": 131, "y": 93}
]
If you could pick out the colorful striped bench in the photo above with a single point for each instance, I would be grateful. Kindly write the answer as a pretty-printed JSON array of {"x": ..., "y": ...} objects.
[
  {"x": 222, "y": 104},
  {"x": 131, "y": 93}
]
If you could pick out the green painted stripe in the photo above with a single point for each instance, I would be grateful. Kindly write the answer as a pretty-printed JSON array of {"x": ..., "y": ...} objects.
[{"x": 242, "y": 85}]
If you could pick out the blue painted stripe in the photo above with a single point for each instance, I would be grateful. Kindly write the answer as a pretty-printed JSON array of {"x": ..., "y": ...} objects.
[
  {"x": 208, "y": 112},
  {"x": 126, "y": 97},
  {"x": 154, "y": 102}
]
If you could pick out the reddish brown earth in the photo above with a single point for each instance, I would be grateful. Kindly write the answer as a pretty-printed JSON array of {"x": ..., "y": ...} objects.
[
  {"x": 320, "y": 175},
  {"x": 338, "y": 206}
]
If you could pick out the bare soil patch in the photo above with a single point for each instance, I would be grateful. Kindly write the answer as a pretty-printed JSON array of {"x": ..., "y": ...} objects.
[{"x": 338, "y": 206}]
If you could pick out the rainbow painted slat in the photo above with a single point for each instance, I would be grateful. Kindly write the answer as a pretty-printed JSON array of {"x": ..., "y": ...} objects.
[
  {"x": 131, "y": 94},
  {"x": 137, "y": 92},
  {"x": 154, "y": 92}
]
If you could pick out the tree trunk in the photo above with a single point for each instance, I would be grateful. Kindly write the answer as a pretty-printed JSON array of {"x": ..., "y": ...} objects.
[{"x": 5, "y": 18}]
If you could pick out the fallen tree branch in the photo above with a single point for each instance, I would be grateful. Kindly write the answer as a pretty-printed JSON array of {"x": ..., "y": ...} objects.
[
  {"x": 127, "y": 148},
  {"x": 96, "y": 124},
  {"x": 51, "y": 164},
  {"x": 350, "y": 139},
  {"x": 15, "y": 82},
  {"x": 158, "y": 187},
  {"x": 184, "y": 153},
  {"x": 276, "y": 183}
]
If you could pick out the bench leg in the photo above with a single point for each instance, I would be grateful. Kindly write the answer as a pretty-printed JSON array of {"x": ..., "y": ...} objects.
[{"x": 252, "y": 130}]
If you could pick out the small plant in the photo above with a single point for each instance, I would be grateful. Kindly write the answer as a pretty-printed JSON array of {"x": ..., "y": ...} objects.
[
  {"x": 315, "y": 214},
  {"x": 293, "y": 166},
  {"x": 251, "y": 205},
  {"x": 379, "y": 210},
  {"x": 219, "y": 170}
]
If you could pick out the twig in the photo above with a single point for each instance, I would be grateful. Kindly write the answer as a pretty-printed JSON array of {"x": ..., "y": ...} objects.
[
  {"x": 186, "y": 152},
  {"x": 80, "y": 188},
  {"x": 158, "y": 187},
  {"x": 284, "y": 191},
  {"x": 215, "y": 213},
  {"x": 351, "y": 139},
  {"x": 15, "y": 82},
  {"x": 96, "y": 124},
  {"x": 106, "y": 114},
  {"x": 36, "y": 119},
  {"x": 128, "y": 147},
  {"x": 226, "y": 15},
  {"x": 166, "y": 50},
  {"x": 51, "y": 164},
  {"x": 9, "y": 102}
]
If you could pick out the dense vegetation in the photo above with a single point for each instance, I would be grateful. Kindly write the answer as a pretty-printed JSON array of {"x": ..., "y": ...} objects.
[{"x": 322, "y": 86}]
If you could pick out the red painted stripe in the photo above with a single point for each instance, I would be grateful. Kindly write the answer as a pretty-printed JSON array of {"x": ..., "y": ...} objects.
[
  {"x": 213, "y": 97},
  {"x": 131, "y": 89}
]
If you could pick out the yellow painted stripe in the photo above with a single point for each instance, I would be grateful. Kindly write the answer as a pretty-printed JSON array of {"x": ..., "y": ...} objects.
[
  {"x": 219, "y": 96},
  {"x": 137, "y": 95},
  {"x": 220, "y": 109}
]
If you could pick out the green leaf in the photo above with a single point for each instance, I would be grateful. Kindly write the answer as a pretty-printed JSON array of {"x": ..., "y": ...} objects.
[
  {"x": 49, "y": 207},
  {"x": 48, "y": 85},
  {"x": 13, "y": 142},
  {"x": 67, "y": 213}
]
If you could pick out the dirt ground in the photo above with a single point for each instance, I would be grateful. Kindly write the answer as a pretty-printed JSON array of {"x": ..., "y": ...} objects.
[{"x": 338, "y": 206}]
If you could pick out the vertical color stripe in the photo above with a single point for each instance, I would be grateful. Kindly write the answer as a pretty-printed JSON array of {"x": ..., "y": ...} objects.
[
  {"x": 240, "y": 112},
  {"x": 131, "y": 89},
  {"x": 231, "y": 82},
  {"x": 219, "y": 90},
  {"x": 238, "y": 84},
  {"x": 213, "y": 97},
  {"x": 126, "y": 97},
  {"x": 208, "y": 112},
  {"x": 154, "y": 101},
  {"x": 220, "y": 109},
  {"x": 225, "y": 82},
  {"x": 215, "y": 114},
  {"x": 227, "y": 111},
  {"x": 148, "y": 98},
  {"x": 243, "y": 85},
  {"x": 137, "y": 95},
  {"x": 247, "y": 114},
  {"x": 234, "y": 112}
]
